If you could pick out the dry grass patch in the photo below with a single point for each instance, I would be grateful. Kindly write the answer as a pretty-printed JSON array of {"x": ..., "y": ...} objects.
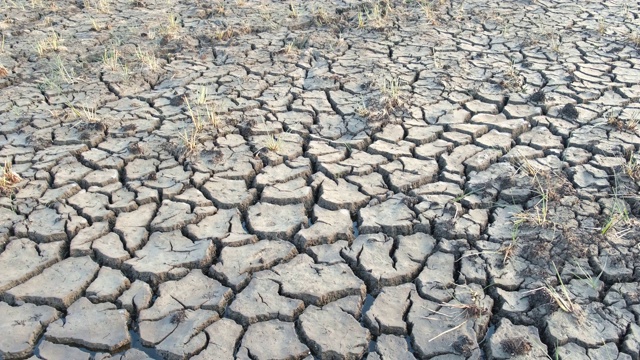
[{"x": 8, "y": 180}]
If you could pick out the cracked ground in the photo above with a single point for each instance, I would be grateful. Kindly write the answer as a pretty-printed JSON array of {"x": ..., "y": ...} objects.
[{"x": 319, "y": 180}]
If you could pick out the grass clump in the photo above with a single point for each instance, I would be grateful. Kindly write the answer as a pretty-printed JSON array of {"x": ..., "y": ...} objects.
[
  {"x": 632, "y": 168},
  {"x": 390, "y": 90},
  {"x": 8, "y": 180},
  {"x": 516, "y": 346},
  {"x": 630, "y": 124},
  {"x": 148, "y": 59},
  {"x": 274, "y": 143},
  {"x": 51, "y": 43}
]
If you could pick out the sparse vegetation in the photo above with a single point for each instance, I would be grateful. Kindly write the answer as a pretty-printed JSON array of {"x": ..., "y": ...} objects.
[
  {"x": 103, "y": 6},
  {"x": 630, "y": 124},
  {"x": 59, "y": 75},
  {"x": 52, "y": 43},
  {"x": 602, "y": 26},
  {"x": 634, "y": 38},
  {"x": 390, "y": 90},
  {"x": 469, "y": 310},
  {"x": 148, "y": 59},
  {"x": 190, "y": 140},
  {"x": 538, "y": 215},
  {"x": 632, "y": 167},
  {"x": 8, "y": 180},
  {"x": 377, "y": 16},
  {"x": 516, "y": 346},
  {"x": 111, "y": 59},
  {"x": 429, "y": 12},
  {"x": 94, "y": 25},
  {"x": 172, "y": 27},
  {"x": 293, "y": 11},
  {"x": 84, "y": 113},
  {"x": 589, "y": 279},
  {"x": 274, "y": 143},
  {"x": 562, "y": 297}
]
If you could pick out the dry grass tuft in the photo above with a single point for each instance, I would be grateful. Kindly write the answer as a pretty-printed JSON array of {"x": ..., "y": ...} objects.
[{"x": 8, "y": 180}]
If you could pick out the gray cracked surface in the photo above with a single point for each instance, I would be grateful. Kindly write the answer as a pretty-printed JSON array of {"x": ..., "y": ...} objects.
[{"x": 319, "y": 180}]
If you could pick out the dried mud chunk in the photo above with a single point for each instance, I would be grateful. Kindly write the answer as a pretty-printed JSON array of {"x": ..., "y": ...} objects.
[
  {"x": 392, "y": 151},
  {"x": 316, "y": 284},
  {"x": 587, "y": 176},
  {"x": 172, "y": 216},
  {"x": 21, "y": 327},
  {"x": 363, "y": 163},
  {"x": 270, "y": 221},
  {"x": 328, "y": 227},
  {"x": 328, "y": 253},
  {"x": 166, "y": 255},
  {"x": 386, "y": 314},
  {"x": 515, "y": 342},
  {"x": 320, "y": 151},
  {"x": 458, "y": 155},
  {"x": 420, "y": 135},
  {"x": 236, "y": 264},
  {"x": 500, "y": 123},
  {"x": 278, "y": 148},
  {"x": 271, "y": 175},
  {"x": 59, "y": 285},
  {"x": 382, "y": 261},
  {"x": 482, "y": 160},
  {"x": 235, "y": 163},
  {"x": 260, "y": 301},
  {"x": 109, "y": 284},
  {"x": 224, "y": 334},
  {"x": 433, "y": 150},
  {"x": 23, "y": 259},
  {"x": 393, "y": 217},
  {"x": 79, "y": 326},
  {"x": 51, "y": 351},
  {"x": 136, "y": 298},
  {"x": 68, "y": 173},
  {"x": 229, "y": 194},
  {"x": 194, "y": 291},
  {"x": 289, "y": 193},
  {"x": 273, "y": 339},
  {"x": 178, "y": 335},
  {"x": 336, "y": 195},
  {"x": 513, "y": 111},
  {"x": 224, "y": 228},
  {"x": 495, "y": 140},
  {"x": 92, "y": 206},
  {"x": 193, "y": 197},
  {"x": 405, "y": 173},
  {"x": 436, "y": 279},
  {"x": 132, "y": 226},
  {"x": 82, "y": 242},
  {"x": 540, "y": 138},
  {"x": 393, "y": 347},
  {"x": 586, "y": 327},
  {"x": 371, "y": 184},
  {"x": 167, "y": 178},
  {"x": 468, "y": 226},
  {"x": 140, "y": 169},
  {"x": 46, "y": 225},
  {"x": 453, "y": 328},
  {"x": 333, "y": 333},
  {"x": 110, "y": 251}
]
